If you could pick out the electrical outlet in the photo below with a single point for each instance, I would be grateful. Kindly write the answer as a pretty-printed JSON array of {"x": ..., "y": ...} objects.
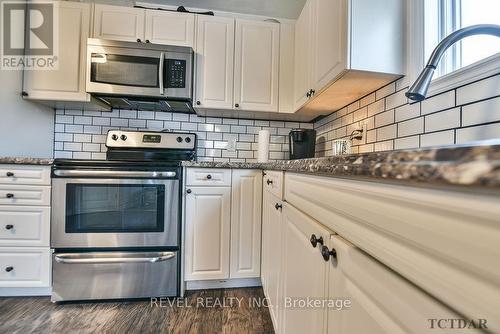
[{"x": 231, "y": 145}]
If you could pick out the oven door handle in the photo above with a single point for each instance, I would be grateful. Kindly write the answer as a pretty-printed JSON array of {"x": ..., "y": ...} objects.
[
  {"x": 112, "y": 173},
  {"x": 102, "y": 258}
]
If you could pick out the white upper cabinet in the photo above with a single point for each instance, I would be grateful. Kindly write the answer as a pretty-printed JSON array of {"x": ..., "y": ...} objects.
[
  {"x": 214, "y": 49},
  {"x": 119, "y": 23},
  {"x": 67, "y": 83},
  {"x": 246, "y": 223},
  {"x": 303, "y": 56},
  {"x": 172, "y": 28},
  {"x": 256, "y": 67},
  {"x": 329, "y": 39}
]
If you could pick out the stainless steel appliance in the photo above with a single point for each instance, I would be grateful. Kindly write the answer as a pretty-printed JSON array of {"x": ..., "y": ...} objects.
[
  {"x": 115, "y": 225},
  {"x": 302, "y": 143},
  {"x": 140, "y": 76}
]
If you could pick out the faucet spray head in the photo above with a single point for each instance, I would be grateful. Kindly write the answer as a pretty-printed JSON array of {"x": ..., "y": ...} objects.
[{"x": 418, "y": 91}]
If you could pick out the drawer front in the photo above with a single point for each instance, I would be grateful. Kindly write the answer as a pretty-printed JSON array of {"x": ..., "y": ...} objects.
[
  {"x": 24, "y": 226},
  {"x": 24, "y": 195},
  {"x": 19, "y": 174},
  {"x": 208, "y": 177},
  {"x": 445, "y": 242},
  {"x": 24, "y": 267},
  {"x": 273, "y": 182}
]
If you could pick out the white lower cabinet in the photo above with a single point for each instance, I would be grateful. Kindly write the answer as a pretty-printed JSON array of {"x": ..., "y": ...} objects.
[
  {"x": 27, "y": 267},
  {"x": 246, "y": 223},
  {"x": 208, "y": 214},
  {"x": 272, "y": 256},
  {"x": 378, "y": 299},
  {"x": 304, "y": 273},
  {"x": 223, "y": 224}
]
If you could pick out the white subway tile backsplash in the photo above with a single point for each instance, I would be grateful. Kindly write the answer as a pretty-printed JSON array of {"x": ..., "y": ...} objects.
[
  {"x": 396, "y": 100},
  {"x": 120, "y": 122},
  {"x": 439, "y": 102},
  {"x": 82, "y": 120},
  {"x": 482, "y": 132},
  {"x": 480, "y": 90},
  {"x": 387, "y": 132},
  {"x": 481, "y": 112},
  {"x": 385, "y": 91},
  {"x": 384, "y": 118},
  {"x": 447, "y": 119},
  {"x": 367, "y": 100},
  {"x": 407, "y": 111},
  {"x": 128, "y": 114},
  {"x": 406, "y": 143},
  {"x": 384, "y": 146},
  {"x": 411, "y": 127},
  {"x": 438, "y": 138},
  {"x": 376, "y": 107},
  {"x": 70, "y": 146}
]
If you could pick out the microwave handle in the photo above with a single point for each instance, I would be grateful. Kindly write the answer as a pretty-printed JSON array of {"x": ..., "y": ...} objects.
[{"x": 160, "y": 72}]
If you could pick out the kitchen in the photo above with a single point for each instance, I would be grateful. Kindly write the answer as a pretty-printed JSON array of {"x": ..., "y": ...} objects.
[{"x": 313, "y": 166}]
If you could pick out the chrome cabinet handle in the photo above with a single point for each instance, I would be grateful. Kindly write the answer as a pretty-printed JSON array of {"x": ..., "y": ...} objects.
[
  {"x": 160, "y": 73},
  {"x": 103, "y": 258},
  {"x": 10, "y": 174}
]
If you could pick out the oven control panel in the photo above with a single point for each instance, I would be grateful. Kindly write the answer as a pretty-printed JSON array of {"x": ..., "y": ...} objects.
[{"x": 161, "y": 140}]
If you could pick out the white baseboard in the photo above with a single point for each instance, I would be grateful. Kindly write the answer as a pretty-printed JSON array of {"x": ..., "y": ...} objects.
[
  {"x": 21, "y": 292},
  {"x": 223, "y": 284}
]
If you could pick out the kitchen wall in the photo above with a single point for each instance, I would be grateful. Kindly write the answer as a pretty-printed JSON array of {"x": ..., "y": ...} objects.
[
  {"x": 465, "y": 114},
  {"x": 26, "y": 128},
  {"x": 81, "y": 135}
]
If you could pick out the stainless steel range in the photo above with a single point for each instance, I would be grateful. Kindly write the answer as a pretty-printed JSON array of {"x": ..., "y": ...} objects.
[{"x": 116, "y": 224}]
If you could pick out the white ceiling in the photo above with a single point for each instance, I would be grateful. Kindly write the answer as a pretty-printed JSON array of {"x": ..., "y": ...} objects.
[{"x": 272, "y": 8}]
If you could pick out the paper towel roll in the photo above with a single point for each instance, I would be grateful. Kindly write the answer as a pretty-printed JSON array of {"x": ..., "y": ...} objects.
[{"x": 263, "y": 151}]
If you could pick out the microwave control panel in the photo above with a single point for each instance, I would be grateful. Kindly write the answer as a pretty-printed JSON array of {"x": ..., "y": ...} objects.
[{"x": 175, "y": 73}]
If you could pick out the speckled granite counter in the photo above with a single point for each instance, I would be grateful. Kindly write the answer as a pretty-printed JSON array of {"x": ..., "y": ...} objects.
[
  {"x": 475, "y": 165},
  {"x": 25, "y": 161}
]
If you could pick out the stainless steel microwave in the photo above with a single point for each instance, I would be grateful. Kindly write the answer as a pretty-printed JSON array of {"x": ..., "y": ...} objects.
[{"x": 141, "y": 70}]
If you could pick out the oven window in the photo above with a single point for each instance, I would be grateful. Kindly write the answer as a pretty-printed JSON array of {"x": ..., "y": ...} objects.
[
  {"x": 125, "y": 70},
  {"x": 120, "y": 208}
]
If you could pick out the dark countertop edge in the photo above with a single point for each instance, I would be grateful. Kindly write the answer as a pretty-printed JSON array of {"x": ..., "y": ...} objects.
[{"x": 26, "y": 161}]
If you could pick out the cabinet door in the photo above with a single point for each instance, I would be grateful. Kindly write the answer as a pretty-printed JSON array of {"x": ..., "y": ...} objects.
[
  {"x": 381, "y": 301},
  {"x": 304, "y": 273},
  {"x": 208, "y": 215},
  {"x": 303, "y": 56},
  {"x": 329, "y": 38},
  {"x": 170, "y": 28},
  {"x": 246, "y": 223},
  {"x": 256, "y": 65},
  {"x": 272, "y": 256},
  {"x": 119, "y": 23},
  {"x": 67, "y": 83},
  {"x": 214, "y": 62}
]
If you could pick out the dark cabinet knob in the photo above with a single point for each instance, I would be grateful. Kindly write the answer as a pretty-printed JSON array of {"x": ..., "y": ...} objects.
[
  {"x": 10, "y": 174},
  {"x": 237, "y": 105},
  {"x": 9, "y": 227},
  {"x": 188, "y": 191},
  {"x": 23, "y": 93},
  {"x": 9, "y": 195},
  {"x": 308, "y": 94},
  {"x": 209, "y": 177},
  {"x": 269, "y": 181},
  {"x": 138, "y": 40},
  {"x": 147, "y": 41},
  {"x": 278, "y": 206},
  {"x": 313, "y": 92},
  {"x": 9, "y": 269},
  {"x": 327, "y": 253},
  {"x": 315, "y": 241},
  {"x": 198, "y": 103}
]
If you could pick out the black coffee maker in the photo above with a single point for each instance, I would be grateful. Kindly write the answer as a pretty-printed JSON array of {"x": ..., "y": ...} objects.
[{"x": 302, "y": 143}]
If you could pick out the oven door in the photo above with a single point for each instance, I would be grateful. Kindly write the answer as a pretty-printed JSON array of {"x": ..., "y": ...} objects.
[{"x": 115, "y": 212}]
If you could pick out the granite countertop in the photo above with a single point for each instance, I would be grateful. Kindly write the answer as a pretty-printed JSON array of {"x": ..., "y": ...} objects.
[
  {"x": 26, "y": 161},
  {"x": 473, "y": 165}
]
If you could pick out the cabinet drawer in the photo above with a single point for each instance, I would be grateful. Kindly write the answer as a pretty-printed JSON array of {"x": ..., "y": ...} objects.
[
  {"x": 24, "y": 226},
  {"x": 445, "y": 242},
  {"x": 208, "y": 177},
  {"x": 19, "y": 174},
  {"x": 24, "y": 195},
  {"x": 273, "y": 182},
  {"x": 24, "y": 267}
]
